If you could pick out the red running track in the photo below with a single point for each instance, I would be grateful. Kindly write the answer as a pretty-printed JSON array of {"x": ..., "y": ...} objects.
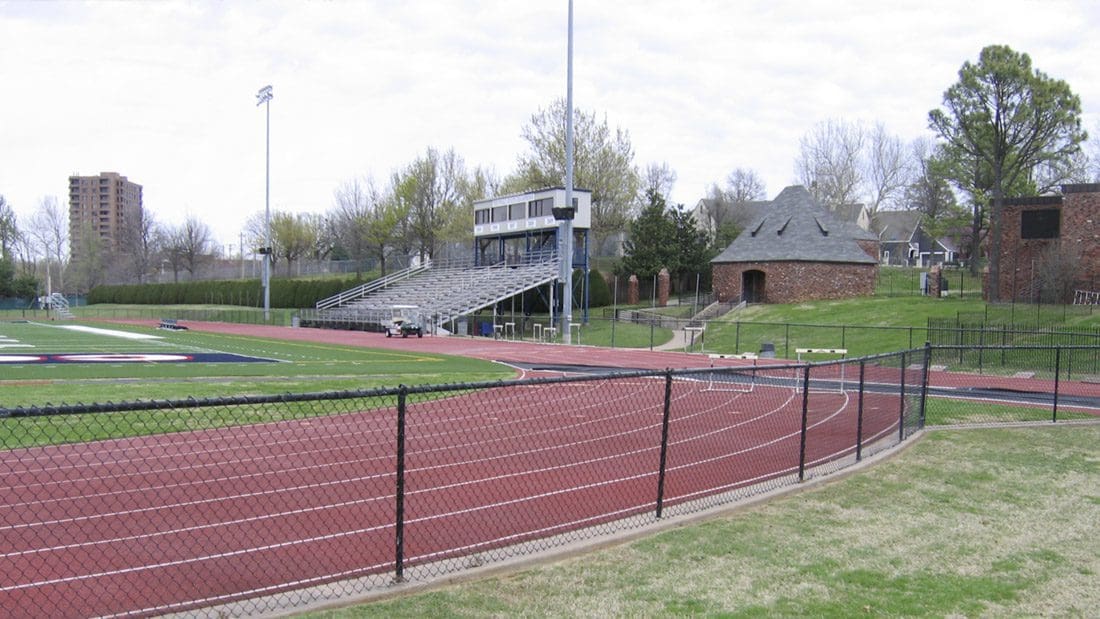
[{"x": 172, "y": 522}]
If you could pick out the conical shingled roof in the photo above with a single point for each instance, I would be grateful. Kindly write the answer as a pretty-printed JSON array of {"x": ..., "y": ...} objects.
[{"x": 796, "y": 228}]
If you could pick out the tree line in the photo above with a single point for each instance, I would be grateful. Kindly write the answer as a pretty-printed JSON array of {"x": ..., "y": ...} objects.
[{"x": 1005, "y": 129}]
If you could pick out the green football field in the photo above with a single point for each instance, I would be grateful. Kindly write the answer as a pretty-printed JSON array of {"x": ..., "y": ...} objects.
[{"x": 54, "y": 363}]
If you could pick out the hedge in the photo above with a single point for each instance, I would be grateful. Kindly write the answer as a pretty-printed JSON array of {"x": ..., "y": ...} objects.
[{"x": 285, "y": 293}]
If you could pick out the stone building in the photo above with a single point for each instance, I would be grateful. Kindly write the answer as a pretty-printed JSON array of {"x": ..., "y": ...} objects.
[
  {"x": 796, "y": 250},
  {"x": 1050, "y": 246}
]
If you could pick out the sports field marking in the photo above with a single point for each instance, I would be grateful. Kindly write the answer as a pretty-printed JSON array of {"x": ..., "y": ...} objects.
[{"x": 129, "y": 335}]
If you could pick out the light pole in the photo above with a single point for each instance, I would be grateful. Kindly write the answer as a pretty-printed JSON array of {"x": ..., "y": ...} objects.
[
  {"x": 567, "y": 225},
  {"x": 262, "y": 97}
]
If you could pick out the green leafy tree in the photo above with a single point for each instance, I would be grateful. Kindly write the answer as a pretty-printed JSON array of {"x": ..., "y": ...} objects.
[
  {"x": 25, "y": 286},
  {"x": 9, "y": 231},
  {"x": 7, "y": 277},
  {"x": 1000, "y": 121},
  {"x": 293, "y": 236},
  {"x": 603, "y": 162},
  {"x": 432, "y": 189}
]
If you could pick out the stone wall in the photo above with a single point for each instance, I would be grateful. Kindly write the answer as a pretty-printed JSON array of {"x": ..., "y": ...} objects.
[{"x": 793, "y": 282}]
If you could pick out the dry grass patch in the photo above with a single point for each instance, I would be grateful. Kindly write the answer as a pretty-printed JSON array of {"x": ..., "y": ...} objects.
[{"x": 967, "y": 523}]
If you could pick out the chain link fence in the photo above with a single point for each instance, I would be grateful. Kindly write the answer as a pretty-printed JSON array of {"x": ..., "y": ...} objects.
[{"x": 251, "y": 505}]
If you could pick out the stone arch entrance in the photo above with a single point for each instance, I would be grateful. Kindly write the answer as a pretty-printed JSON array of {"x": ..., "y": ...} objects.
[{"x": 752, "y": 286}]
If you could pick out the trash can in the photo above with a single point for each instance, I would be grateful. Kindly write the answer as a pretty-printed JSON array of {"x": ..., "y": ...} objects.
[{"x": 767, "y": 350}]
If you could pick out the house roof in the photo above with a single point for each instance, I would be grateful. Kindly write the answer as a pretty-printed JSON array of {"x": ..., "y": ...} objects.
[
  {"x": 896, "y": 226},
  {"x": 849, "y": 212},
  {"x": 794, "y": 227}
]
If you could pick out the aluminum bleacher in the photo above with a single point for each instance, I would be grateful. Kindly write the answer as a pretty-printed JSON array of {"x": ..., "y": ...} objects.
[{"x": 439, "y": 292}]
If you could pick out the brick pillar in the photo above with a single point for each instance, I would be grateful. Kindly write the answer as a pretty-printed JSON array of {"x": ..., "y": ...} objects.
[
  {"x": 632, "y": 290},
  {"x": 935, "y": 281},
  {"x": 663, "y": 286}
]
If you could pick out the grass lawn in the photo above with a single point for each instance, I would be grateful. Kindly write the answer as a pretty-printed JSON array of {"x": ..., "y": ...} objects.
[{"x": 994, "y": 522}]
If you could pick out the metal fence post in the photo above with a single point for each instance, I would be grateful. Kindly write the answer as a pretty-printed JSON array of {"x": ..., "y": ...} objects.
[
  {"x": 805, "y": 411},
  {"x": 981, "y": 350},
  {"x": 901, "y": 407},
  {"x": 859, "y": 414},
  {"x": 1057, "y": 369},
  {"x": 664, "y": 444},
  {"x": 399, "y": 524},
  {"x": 924, "y": 381}
]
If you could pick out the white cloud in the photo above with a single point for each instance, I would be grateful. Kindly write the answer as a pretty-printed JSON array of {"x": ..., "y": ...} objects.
[{"x": 164, "y": 92}]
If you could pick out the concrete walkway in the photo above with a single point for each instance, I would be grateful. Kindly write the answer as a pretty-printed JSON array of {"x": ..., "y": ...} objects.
[{"x": 681, "y": 339}]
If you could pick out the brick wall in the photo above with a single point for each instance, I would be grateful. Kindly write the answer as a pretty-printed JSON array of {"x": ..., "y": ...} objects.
[
  {"x": 1080, "y": 228},
  {"x": 792, "y": 282}
]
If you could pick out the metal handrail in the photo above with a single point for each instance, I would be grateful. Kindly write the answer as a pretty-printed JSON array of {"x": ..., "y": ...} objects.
[{"x": 363, "y": 290}]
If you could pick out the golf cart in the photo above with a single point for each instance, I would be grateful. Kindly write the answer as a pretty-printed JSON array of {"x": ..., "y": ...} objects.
[{"x": 404, "y": 322}]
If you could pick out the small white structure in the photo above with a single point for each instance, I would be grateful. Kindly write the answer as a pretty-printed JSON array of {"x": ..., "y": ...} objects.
[{"x": 529, "y": 212}]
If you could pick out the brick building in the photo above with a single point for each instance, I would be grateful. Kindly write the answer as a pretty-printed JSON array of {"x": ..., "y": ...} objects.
[
  {"x": 1050, "y": 246},
  {"x": 107, "y": 206},
  {"x": 796, "y": 250}
]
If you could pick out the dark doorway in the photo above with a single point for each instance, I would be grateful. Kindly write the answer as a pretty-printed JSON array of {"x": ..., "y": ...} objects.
[{"x": 752, "y": 286}]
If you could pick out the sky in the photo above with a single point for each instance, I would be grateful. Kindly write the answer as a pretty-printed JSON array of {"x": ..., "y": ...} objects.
[{"x": 164, "y": 92}]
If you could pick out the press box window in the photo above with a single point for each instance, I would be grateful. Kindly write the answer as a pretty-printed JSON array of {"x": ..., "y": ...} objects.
[{"x": 1040, "y": 224}]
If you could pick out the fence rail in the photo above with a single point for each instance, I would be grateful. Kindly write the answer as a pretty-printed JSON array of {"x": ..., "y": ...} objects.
[{"x": 251, "y": 505}]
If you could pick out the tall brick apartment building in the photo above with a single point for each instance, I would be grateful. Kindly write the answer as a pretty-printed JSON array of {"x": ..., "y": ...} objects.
[
  {"x": 103, "y": 205},
  {"x": 1050, "y": 246},
  {"x": 796, "y": 250}
]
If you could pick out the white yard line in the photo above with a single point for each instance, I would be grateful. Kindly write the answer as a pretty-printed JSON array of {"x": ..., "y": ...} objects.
[{"x": 111, "y": 332}]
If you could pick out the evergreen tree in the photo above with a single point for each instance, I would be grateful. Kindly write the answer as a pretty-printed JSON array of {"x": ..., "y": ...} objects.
[{"x": 650, "y": 246}]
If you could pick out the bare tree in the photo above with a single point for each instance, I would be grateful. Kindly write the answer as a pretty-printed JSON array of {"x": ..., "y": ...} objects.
[
  {"x": 658, "y": 177},
  {"x": 888, "y": 169},
  {"x": 1049, "y": 175},
  {"x": 140, "y": 242},
  {"x": 1056, "y": 272},
  {"x": 745, "y": 185},
  {"x": 830, "y": 162},
  {"x": 351, "y": 218},
  {"x": 1092, "y": 148},
  {"x": 189, "y": 246},
  {"x": 49, "y": 228},
  {"x": 88, "y": 268}
]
